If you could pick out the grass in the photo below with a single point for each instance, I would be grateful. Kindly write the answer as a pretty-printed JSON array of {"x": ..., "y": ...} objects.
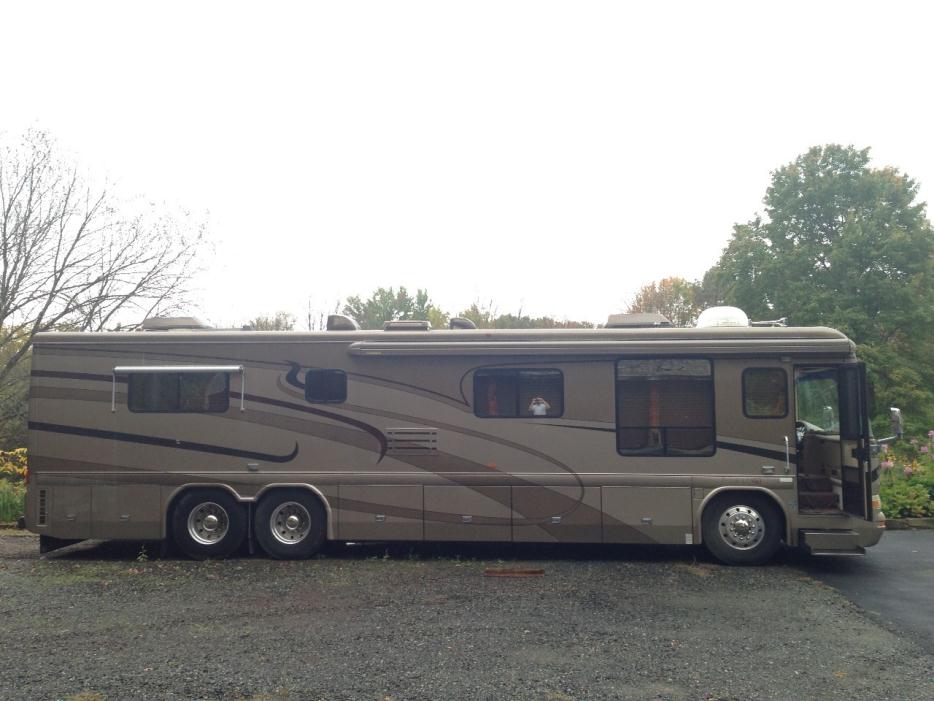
[{"x": 12, "y": 500}]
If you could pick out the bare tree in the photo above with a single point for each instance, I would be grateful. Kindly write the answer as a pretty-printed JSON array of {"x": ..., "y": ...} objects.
[{"x": 71, "y": 257}]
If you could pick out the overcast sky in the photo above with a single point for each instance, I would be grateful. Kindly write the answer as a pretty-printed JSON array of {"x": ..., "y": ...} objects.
[{"x": 548, "y": 156}]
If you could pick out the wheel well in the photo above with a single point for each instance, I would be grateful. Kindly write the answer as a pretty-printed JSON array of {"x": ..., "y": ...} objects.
[{"x": 732, "y": 492}]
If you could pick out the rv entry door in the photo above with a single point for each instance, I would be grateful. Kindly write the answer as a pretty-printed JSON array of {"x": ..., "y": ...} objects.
[{"x": 854, "y": 440}]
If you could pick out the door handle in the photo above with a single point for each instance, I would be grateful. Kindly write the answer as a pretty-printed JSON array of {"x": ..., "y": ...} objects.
[{"x": 787, "y": 456}]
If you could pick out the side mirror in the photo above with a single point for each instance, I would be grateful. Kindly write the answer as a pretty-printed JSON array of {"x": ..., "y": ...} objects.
[{"x": 898, "y": 427}]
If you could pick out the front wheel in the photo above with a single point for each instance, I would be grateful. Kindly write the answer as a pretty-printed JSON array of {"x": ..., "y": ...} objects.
[
  {"x": 208, "y": 523},
  {"x": 742, "y": 529},
  {"x": 290, "y": 524}
]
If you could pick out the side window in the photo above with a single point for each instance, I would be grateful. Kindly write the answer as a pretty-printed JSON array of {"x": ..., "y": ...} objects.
[
  {"x": 196, "y": 392},
  {"x": 765, "y": 393},
  {"x": 664, "y": 407},
  {"x": 524, "y": 394},
  {"x": 326, "y": 386}
]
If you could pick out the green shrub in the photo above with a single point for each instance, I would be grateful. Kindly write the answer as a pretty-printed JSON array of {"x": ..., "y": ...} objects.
[
  {"x": 901, "y": 499},
  {"x": 12, "y": 500}
]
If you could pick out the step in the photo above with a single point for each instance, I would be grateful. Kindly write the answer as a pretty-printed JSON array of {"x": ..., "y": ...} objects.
[
  {"x": 842, "y": 542},
  {"x": 815, "y": 484},
  {"x": 817, "y": 500},
  {"x": 840, "y": 553}
]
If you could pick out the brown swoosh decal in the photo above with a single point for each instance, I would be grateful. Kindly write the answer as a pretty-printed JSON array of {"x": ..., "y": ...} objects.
[
  {"x": 161, "y": 442},
  {"x": 372, "y": 430},
  {"x": 448, "y": 462}
]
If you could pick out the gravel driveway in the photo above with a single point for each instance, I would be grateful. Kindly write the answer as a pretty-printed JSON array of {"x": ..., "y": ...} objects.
[{"x": 425, "y": 623}]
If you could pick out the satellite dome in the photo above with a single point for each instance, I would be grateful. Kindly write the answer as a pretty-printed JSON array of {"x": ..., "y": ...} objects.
[{"x": 722, "y": 316}]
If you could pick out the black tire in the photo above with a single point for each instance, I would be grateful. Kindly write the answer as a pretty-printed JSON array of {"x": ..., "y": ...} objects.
[
  {"x": 197, "y": 535},
  {"x": 742, "y": 529},
  {"x": 290, "y": 524}
]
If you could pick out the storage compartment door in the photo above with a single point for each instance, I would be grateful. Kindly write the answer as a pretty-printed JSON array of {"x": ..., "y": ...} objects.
[
  {"x": 127, "y": 511},
  {"x": 468, "y": 513},
  {"x": 70, "y": 512},
  {"x": 379, "y": 512},
  {"x": 556, "y": 514},
  {"x": 647, "y": 515}
]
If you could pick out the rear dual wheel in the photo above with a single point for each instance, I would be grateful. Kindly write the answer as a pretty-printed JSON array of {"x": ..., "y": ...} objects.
[
  {"x": 290, "y": 524},
  {"x": 208, "y": 523}
]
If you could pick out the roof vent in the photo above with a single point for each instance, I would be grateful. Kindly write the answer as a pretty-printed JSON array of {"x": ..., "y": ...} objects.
[
  {"x": 339, "y": 322},
  {"x": 174, "y": 323},
  {"x": 407, "y": 325},
  {"x": 459, "y": 322},
  {"x": 722, "y": 316},
  {"x": 651, "y": 320}
]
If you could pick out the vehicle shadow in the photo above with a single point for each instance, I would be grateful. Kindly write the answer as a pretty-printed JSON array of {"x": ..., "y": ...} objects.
[{"x": 427, "y": 551}]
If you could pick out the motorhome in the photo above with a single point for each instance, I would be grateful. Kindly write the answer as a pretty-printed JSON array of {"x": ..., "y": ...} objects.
[{"x": 728, "y": 435}]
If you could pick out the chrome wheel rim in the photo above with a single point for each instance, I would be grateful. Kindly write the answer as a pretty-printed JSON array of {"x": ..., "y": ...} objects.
[
  {"x": 742, "y": 527},
  {"x": 290, "y": 523},
  {"x": 208, "y": 523}
]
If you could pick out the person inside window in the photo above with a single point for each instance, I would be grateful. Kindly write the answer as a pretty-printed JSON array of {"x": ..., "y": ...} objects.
[
  {"x": 492, "y": 405},
  {"x": 539, "y": 407}
]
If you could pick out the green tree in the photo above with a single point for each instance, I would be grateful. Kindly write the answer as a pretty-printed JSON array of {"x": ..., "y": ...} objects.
[
  {"x": 846, "y": 245},
  {"x": 673, "y": 297},
  {"x": 281, "y": 321},
  {"x": 487, "y": 318},
  {"x": 391, "y": 305},
  {"x": 483, "y": 317}
]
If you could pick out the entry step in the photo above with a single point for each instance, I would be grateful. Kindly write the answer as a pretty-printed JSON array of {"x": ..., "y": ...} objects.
[
  {"x": 817, "y": 500},
  {"x": 859, "y": 551},
  {"x": 815, "y": 483},
  {"x": 832, "y": 542}
]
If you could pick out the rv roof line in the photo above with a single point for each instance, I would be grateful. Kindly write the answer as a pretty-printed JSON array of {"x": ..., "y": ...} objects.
[{"x": 696, "y": 346}]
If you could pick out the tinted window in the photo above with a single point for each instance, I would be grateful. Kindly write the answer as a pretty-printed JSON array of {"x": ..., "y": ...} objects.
[
  {"x": 326, "y": 386},
  {"x": 664, "y": 407},
  {"x": 765, "y": 393},
  {"x": 179, "y": 392},
  {"x": 518, "y": 393}
]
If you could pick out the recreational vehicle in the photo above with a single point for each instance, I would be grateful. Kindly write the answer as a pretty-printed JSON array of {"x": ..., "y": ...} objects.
[{"x": 734, "y": 436}]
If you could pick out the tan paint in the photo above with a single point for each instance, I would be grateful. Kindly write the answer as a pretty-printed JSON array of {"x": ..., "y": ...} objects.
[{"x": 512, "y": 477}]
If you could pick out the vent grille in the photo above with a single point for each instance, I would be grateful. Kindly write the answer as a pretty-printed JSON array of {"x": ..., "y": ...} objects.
[
  {"x": 43, "y": 515},
  {"x": 412, "y": 441}
]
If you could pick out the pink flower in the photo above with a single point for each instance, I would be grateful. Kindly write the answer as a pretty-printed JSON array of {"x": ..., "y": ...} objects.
[
  {"x": 924, "y": 449},
  {"x": 887, "y": 464},
  {"x": 908, "y": 471},
  {"x": 931, "y": 435}
]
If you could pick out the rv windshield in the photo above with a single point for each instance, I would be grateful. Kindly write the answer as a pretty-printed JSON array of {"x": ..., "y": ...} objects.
[{"x": 816, "y": 399}]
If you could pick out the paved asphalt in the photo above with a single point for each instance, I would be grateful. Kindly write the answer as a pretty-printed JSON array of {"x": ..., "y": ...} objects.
[{"x": 893, "y": 582}]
